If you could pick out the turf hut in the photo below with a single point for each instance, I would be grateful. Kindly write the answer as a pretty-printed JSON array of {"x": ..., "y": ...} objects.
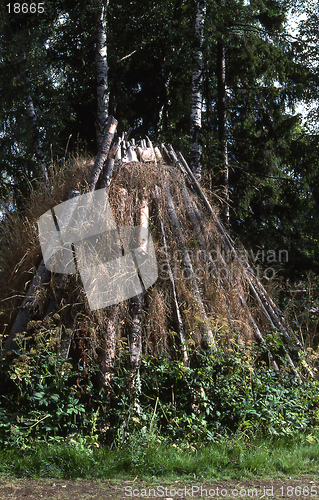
[{"x": 204, "y": 293}]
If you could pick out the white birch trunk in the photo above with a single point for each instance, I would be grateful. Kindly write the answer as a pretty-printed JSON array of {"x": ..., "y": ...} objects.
[
  {"x": 102, "y": 69},
  {"x": 103, "y": 152},
  {"x": 197, "y": 93},
  {"x": 144, "y": 216},
  {"x": 222, "y": 124}
]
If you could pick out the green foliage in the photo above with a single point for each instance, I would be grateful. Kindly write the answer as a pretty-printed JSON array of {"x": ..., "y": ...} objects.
[
  {"x": 224, "y": 394},
  {"x": 43, "y": 396},
  {"x": 47, "y": 398}
]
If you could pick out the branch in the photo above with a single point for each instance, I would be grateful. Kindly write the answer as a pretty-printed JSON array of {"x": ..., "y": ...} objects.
[{"x": 126, "y": 57}]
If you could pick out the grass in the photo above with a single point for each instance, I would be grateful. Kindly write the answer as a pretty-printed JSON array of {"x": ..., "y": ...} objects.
[{"x": 223, "y": 460}]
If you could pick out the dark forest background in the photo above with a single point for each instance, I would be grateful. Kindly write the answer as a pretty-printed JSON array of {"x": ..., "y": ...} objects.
[{"x": 48, "y": 60}]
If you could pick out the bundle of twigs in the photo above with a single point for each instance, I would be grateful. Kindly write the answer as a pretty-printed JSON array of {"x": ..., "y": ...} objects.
[{"x": 188, "y": 306}]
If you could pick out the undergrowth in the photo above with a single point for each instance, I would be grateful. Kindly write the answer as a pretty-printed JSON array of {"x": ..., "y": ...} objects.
[
  {"x": 227, "y": 412},
  {"x": 45, "y": 398}
]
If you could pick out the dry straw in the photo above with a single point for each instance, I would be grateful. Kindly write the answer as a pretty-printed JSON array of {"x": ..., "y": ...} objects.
[{"x": 204, "y": 294}]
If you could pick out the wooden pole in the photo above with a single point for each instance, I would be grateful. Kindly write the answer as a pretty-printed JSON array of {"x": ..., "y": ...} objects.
[
  {"x": 208, "y": 334},
  {"x": 269, "y": 311},
  {"x": 26, "y": 310},
  {"x": 197, "y": 222},
  {"x": 233, "y": 250},
  {"x": 107, "y": 352},
  {"x": 42, "y": 276},
  {"x": 136, "y": 329},
  {"x": 103, "y": 152}
]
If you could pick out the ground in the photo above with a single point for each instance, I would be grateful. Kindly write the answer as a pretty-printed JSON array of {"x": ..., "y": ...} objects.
[{"x": 52, "y": 489}]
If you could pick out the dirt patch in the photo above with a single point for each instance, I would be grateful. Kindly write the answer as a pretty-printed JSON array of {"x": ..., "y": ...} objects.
[{"x": 17, "y": 489}]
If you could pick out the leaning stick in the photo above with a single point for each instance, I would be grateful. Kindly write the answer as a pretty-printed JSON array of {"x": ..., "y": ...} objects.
[
  {"x": 274, "y": 309},
  {"x": 135, "y": 334},
  {"x": 107, "y": 173},
  {"x": 197, "y": 222},
  {"x": 107, "y": 352},
  {"x": 59, "y": 281},
  {"x": 228, "y": 240},
  {"x": 108, "y": 166},
  {"x": 42, "y": 276},
  {"x": 58, "y": 284},
  {"x": 269, "y": 312},
  {"x": 167, "y": 156},
  {"x": 144, "y": 215},
  {"x": 93, "y": 179},
  {"x": 257, "y": 332},
  {"x": 66, "y": 343},
  {"x": 103, "y": 152},
  {"x": 26, "y": 310},
  {"x": 208, "y": 334},
  {"x": 177, "y": 308}
]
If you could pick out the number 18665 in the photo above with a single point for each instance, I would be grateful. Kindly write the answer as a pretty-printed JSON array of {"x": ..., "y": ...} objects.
[
  {"x": 298, "y": 491},
  {"x": 25, "y": 8}
]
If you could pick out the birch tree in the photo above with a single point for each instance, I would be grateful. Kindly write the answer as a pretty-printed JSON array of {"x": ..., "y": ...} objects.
[
  {"x": 101, "y": 7},
  {"x": 197, "y": 95},
  {"x": 222, "y": 123}
]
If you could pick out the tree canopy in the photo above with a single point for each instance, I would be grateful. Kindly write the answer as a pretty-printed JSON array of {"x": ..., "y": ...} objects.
[{"x": 50, "y": 59}]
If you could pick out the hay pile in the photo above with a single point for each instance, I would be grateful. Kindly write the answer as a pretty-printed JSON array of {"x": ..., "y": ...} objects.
[{"x": 205, "y": 294}]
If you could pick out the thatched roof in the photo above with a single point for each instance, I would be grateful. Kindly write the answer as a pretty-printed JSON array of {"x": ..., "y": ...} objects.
[{"x": 205, "y": 295}]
